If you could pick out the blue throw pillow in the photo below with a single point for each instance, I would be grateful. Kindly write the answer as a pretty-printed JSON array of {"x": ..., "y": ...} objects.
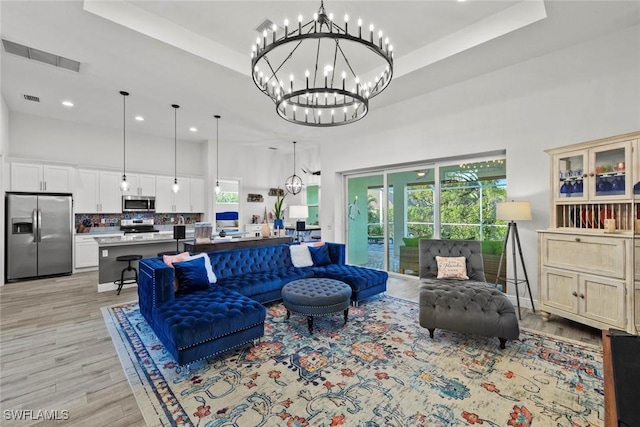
[
  {"x": 320, "y": 255},
  {"x": 191, "y": 275}
]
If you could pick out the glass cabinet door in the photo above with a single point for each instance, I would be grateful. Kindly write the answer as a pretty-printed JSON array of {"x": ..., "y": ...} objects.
[
  {"x": 570, "y": 176},
  {"x": 608, "y": 177}
]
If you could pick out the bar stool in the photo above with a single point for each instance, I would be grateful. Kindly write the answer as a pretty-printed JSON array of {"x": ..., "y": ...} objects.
[
  {"x": 128, "y": 280},
  {"x": 161, "y": 254}
]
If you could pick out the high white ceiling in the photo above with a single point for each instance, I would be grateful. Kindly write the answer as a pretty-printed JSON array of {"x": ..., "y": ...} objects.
[{"x": 196, "y": 54}]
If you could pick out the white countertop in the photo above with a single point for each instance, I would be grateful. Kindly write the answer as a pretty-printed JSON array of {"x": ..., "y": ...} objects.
[{"x": 142, "y": 238}]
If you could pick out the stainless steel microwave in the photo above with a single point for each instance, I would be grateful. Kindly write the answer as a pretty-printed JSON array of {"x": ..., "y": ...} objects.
[{"x": 138, "y": 204}]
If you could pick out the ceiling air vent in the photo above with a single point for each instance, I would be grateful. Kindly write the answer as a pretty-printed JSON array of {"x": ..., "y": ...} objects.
[
  {"x": 40, "y": 56},
  {"x": 32, "y": 98}
]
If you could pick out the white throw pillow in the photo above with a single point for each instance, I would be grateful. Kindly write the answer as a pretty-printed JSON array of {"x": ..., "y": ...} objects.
[
  {"x": 300, "y": 256},
  {"x": 207, "y": 264},
  {"x": 452, "y": 267}
]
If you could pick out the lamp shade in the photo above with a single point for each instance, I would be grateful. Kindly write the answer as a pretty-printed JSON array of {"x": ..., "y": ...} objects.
[
  {"x": 513, "y": 211},
  {"x": 299, "y": 211}
]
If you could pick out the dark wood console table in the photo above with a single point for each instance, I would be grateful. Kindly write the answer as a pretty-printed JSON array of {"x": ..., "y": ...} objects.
[
  {"x": 248, "y": 242},
  {"x": 621, "y": 365}
]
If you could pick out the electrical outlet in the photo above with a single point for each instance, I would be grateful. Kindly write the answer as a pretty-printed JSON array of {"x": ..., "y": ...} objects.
[{"x": 105, "y": 253}]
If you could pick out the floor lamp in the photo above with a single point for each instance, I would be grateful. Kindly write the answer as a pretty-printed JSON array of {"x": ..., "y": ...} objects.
[{"x": 512, "y": 212}]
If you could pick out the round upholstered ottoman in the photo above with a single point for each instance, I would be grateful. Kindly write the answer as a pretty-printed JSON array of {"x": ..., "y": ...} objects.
[{"x": 316, "y": 297}]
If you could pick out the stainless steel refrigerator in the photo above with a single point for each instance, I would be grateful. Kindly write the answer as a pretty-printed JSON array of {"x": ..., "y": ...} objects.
[{"x": 39, "y": 235}]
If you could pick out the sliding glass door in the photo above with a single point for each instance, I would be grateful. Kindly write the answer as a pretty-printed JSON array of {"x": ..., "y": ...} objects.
[
  {"x": 366, "y": 210},
  {"x": 388, "y": 212}
]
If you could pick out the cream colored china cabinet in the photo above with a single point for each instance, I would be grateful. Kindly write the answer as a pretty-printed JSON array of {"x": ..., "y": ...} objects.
[{"x": 589, "y": 268}]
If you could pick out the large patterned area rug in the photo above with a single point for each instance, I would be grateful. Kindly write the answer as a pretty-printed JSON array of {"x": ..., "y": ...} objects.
[{"x": 380, "y": 369}]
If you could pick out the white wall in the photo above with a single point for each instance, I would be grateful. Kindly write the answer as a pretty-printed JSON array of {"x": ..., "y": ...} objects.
[
  {"x": 584, "y": 92},
  {"x": 257, "y": 169},
  {"x": 40, "y": 138}
]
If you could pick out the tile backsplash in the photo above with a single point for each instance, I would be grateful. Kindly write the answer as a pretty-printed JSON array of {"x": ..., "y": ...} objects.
[{"x": 84, "y": 222}]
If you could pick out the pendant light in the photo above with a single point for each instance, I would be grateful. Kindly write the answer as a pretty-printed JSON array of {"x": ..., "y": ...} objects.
[
  {"x": 124, "y": 185},
  {"x": 217, "y": 190},
  {"x": 293, "y": 184},
  {"x": 175, "y": 187}
]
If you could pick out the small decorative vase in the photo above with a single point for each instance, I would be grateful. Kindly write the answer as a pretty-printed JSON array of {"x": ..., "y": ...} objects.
[
  {"x": 266, "y": 231},
  {"x": 222, "y": 233}
]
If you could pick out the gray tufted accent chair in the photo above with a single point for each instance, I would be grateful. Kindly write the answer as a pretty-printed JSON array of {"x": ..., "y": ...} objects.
[{"x": 468, "y": 306}]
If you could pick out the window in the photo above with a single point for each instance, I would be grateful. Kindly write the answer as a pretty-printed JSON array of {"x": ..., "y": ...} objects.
[
  {"x": 468, "y": 196},
  {"x": 228, "y": 200}
]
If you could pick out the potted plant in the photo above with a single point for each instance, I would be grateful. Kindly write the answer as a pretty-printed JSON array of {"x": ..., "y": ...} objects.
[{"x": 278, "y": 209}]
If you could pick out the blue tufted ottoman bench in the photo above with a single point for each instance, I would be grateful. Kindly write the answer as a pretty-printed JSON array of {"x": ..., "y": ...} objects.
[
  {"x": 316, "y": 297},
  {"x": 203, "y": 324}
]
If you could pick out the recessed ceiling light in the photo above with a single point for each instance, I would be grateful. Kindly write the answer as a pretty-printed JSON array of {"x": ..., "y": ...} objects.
[
  {"x": 192, "y": 129},
  {"x": 140, "y": 118},
  {"x": 67, "y": 103}
]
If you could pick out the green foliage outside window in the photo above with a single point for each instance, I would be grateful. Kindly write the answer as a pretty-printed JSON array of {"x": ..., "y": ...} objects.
[
  {"x": 228, "y": 197},
  {"x": 468, "y": 210}
]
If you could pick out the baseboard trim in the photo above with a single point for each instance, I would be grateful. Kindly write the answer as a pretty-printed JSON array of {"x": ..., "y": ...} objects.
[{"x": 106, "y": 287}]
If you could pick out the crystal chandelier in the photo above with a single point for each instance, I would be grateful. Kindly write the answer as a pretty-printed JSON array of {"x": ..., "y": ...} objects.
[{"x": 323, "y": 88}]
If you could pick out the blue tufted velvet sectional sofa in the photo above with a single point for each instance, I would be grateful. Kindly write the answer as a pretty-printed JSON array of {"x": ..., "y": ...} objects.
[{"x": 229, "y": 314}]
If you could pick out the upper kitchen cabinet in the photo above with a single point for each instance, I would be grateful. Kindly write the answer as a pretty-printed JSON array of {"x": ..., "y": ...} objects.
[
  {"x": 198, "y": 197},
  {"x": 599, "y": 173},
  {"x": 189, "y": 199},
  {"x": 98, "y": 192},
  {"x": 141, "y": 185},
  {"x": 34, "y": 177}
]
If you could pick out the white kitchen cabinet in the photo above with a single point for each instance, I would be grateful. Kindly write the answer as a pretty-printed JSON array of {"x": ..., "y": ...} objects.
[
  {"x": 141, "y": 185},
  {"x": 98, "y": 192},
  {"x": 198, "y": 196},
  {"x": 86, "y": 250},
  {"x": 34, "y": 177},
  {"x": 182, "y": 199},
  {"x": 181, "y": 202},
  {"x": 110, "y": 194},
  {"x": 164, "y": 194},
  {"x": 86, "y": 253},
  {"x": 86, "y": 197}
]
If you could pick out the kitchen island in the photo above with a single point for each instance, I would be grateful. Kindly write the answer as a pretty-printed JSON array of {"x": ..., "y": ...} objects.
[{"x": 146, "y": 244}]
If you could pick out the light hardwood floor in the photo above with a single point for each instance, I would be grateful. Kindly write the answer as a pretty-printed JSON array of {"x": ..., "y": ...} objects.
[{"x": 56, "y": 353}]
